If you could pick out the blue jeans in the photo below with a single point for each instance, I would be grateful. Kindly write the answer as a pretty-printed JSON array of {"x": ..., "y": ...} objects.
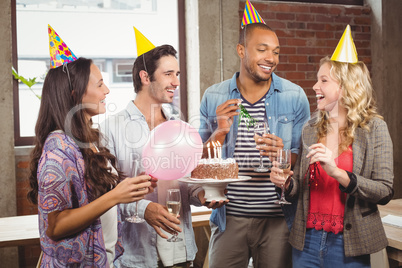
[{"x": 322, "y": 249}]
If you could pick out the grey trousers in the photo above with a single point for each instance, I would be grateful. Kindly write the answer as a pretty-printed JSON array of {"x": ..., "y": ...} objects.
[{"x": 263, "y": 239}]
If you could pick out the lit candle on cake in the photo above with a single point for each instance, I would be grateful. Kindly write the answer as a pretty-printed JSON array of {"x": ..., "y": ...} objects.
[
  {"x": 209, "y": 151},
  {"x": 219, "y": 150},
  {"x": 214, "y": 145}
]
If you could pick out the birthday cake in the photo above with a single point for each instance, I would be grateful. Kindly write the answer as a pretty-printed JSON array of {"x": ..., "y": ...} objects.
[{"x": 214, "y": 168}]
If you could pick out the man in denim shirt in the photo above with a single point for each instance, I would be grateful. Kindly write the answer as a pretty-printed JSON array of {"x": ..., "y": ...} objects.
[
  {"x": 155, "y": 76},
  {"x": 251, "y": 225}
]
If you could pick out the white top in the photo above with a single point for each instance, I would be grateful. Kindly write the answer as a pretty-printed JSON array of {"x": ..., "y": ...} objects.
[{"x": 109, "y": 228}]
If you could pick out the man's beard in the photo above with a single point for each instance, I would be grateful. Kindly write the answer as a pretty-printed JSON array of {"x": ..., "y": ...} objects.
[{"x": 257, "y": 77}]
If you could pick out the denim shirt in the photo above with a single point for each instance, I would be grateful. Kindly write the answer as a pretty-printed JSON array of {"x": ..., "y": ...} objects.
[
  {"x": 126, "y": 134},
  {"x": 287, "y": 110}
]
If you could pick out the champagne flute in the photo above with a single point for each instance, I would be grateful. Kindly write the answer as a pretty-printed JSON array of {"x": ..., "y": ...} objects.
[
  {"x": 261, "y": 128},
  {"x": 135, "y": 218},
  {"x": 173, "y": 203},
  {"x": 284, "y": 159}
]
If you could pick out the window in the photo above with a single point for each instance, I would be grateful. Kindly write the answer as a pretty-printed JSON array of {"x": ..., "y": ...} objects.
[
  {"x": 335, "y": 2},
  {"x": 98, "y": 29},
  {"x": 134, "y": 5},
  {"x": 122, "y": 71}
]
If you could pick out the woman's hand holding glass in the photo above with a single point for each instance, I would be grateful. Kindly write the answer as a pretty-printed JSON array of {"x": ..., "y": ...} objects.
[
  {"x": 281, "y": 167},
  {"x": 132, "y": 189},
  {"x": 136, "y": 170},
  {"x": 277, "y": 177}
]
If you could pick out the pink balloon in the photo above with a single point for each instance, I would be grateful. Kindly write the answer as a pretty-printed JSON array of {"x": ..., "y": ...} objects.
[{"x": 172, "y": 151}]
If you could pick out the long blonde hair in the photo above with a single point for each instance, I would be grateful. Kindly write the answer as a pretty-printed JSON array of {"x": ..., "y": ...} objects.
[{"x": 357, "y": 97}]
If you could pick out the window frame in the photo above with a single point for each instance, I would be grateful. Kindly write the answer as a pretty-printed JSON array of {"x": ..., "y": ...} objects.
[
  {"x": 116, "y": 74},
  {"x": 18, "y": 140}
]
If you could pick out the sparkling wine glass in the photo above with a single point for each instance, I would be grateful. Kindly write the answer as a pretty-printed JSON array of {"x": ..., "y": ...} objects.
[
  {"x": 135, "y": 171},
  {"x": 261, "y": 128},
  {"x": 284, "y": 159},
  {"x": 173, "y": 203}
]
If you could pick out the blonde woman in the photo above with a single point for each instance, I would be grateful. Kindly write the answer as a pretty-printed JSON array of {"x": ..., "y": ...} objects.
[{"x": 344, "y": 170}]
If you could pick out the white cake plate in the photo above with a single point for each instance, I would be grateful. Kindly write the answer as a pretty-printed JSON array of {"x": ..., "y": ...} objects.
[{"x": 214, "y": 189}]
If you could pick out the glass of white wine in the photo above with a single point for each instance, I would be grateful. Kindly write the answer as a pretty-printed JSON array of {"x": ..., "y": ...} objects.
[
  {"x": 173, "y": 203},
  {"x": 284, "y": 159},
  {"x": 261, "y": 128},
  {"x": 135, "y": 171}
]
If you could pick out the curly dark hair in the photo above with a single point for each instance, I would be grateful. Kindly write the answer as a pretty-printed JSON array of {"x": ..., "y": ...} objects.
[{"x": 59, "y": 98}]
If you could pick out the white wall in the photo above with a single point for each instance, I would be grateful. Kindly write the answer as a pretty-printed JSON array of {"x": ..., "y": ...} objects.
[{"x": 91, "y": 33}]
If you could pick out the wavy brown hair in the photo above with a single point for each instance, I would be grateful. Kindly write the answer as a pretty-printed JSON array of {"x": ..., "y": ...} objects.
[
  {"x": 60, "y": 110},
  {"x": 357, "y": 97}
]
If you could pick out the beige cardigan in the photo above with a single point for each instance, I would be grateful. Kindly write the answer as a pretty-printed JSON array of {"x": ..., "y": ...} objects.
[{"x": 371, "y": 184}]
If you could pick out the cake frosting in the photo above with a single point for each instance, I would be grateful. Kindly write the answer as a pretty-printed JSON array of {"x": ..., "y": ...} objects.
[{"x": 218, "y": 169}]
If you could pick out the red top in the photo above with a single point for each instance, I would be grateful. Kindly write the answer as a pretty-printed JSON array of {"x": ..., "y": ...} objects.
[{"x": 327, "y": 202}]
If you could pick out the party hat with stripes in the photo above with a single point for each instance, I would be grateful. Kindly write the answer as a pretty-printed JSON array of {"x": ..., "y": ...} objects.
[
  {"x": 345, "y": 51},
  {"x": 250, "y": 15}
]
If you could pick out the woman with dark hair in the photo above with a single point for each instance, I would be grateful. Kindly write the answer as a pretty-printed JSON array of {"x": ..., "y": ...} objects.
[{"x": 73, "y": 177}]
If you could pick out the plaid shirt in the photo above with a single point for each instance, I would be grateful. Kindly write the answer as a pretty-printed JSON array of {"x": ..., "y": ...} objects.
[{"x": 371, "y": 184}]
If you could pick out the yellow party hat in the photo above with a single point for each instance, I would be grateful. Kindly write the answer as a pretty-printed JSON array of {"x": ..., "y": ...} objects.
[
  {"x": 143, "y": 44},
  {"x": 345, "y": 51}
]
